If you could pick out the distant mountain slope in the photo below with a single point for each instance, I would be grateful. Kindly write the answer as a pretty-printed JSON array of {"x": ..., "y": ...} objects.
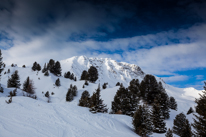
[{"x": 29, "y": 117}]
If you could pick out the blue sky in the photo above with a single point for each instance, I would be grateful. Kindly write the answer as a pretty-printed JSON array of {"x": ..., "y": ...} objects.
[{"x": 164, "y": 37}]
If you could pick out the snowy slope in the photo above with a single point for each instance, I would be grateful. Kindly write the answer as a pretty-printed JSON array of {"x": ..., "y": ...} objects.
[{"x": 28, "y": 117}]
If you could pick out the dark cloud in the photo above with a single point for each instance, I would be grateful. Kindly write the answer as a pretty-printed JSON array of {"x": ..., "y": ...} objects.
[{"x": 96, "y": 19}]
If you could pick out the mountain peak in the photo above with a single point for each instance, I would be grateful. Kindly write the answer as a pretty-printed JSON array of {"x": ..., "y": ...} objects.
[{"x": 109, "y": 70}]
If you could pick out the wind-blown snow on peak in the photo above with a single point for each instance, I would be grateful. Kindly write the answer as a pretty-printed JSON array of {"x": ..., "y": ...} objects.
[{"x": 109, "y": 70}]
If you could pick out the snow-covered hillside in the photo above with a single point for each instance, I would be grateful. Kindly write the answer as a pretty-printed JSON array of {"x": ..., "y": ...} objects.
[{"x": 28, "y": 117}]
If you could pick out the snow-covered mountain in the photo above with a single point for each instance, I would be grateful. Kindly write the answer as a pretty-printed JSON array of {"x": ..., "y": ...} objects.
[
  {"x": 109, "y": 70},
  {"x": 29, "y": 117}
]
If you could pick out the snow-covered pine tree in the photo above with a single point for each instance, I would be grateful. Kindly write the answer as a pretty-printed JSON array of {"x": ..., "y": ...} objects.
[
  {"x": 72, "y": 76},
  {"x": 124, "y": 101},
  {"x": 50, "y": 65},
  {"x": 92, "y": 74},
  {"x": 34, "y": 67},
  {"x": 57, "y": 82},
  {"x": 44, "y": 69},
  {"x": 187, "y": 132},
  {"x": 57, "y": 69},
  {"x": 69, "y": 95},
  {"x": 97, "y": 104},
  {"x": 1, "y": 64},
  {"x": 142, "y": 122},
  {"x": 14, "y": 80},
  {"x": 172, "y": 103},
  {"x": 1, "y": 69},
  {"x": 74, "y": 90},
  {"x": 149, "y": 88},
  {"x": 85, "y": 99},
  {"x": 118, "y": 84},
  {"x": 200, "y": 118},
  {"x": 46, "y": 73},
  {"x": 38, "y": 67},
  {"x": 179, "y": 123},
  {"x": 67, "y": 74},
  {"x": 169, "y": 133},
  {"x": 84, "y": 75},
  {"x": 133, "y": 95},
  {"x": 163, "y": 100},
  {"x": 104, "y": 86},
  {"x": 26, "y": 84},
  {"x": 190, "y": 111},
  {"x": 159, "y": 126}
]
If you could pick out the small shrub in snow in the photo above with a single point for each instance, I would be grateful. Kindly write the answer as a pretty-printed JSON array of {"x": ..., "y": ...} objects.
[
  {"x": 86, "y": 83},
  {"x": 1, "y": 89},
  {"x": 57, "y": 83},
  {"x": 12, "y": 93},
  {"x": 9, "y": 101},
  {"x": 46, "y": 73},
  {"x": 104, "y": 86},
  {"x": 118, "y": 84},
  {"x": 190, "y": 111}
]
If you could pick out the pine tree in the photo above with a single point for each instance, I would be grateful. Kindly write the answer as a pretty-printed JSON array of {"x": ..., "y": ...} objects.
[
  {"x": 1, "y": 69},
  {"x": 57, "y": 83},
  {"x": 67, "y": 74},
  {"x": 69, "y": 95},
  {"x": 56, "y": 70},
  {"x": 133, "y": 95},
  {"x": 50, "y": 65},
  {"x": 72, "y": 76},
  {"x": 85, "y": 99},
  {"x": 149, "y": 88},
  {"x": 200, "y": 118},
  {"x": 158, "y": 119},
  {"x": 179, "y": 123},
  {"x": 74, "y": 90},
  {"x": 97, "y": 104},
  {"x": 38, "y": 67},
  {"x": 92, "y": 74},
  {"x": 86, "y": 83},
  {"x": 44, "y": 69},
  {"x": 187, "y": 132},
  {"x": 124, "y": 101},
  {"x": 34, "y": 67},
  {"x": 169, "y": 133},
  {"x": 30, "y": 88},
  {"x": 48, "y": 96},
  {"x": 1, "y": 64},
  {"x": 172, "y": 103},
  {"x": 118, "y": 84},
  {"x": 46, "y": 73},
  {"x": 26, "y": 84},
  {"x": 190, "y": 111},
  {"x": 84, "y": 75},
  {"x": 163, "y": 100},
  {"x": 104, "y": 86},
  {"x": 14, "y": 80},
  {"x": 142, "y": 121}
]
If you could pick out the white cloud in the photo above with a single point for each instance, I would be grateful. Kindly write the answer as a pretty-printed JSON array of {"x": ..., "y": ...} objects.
[
  {"x": 175, "y": 78},
  {"x": 198, "y": 77}
]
